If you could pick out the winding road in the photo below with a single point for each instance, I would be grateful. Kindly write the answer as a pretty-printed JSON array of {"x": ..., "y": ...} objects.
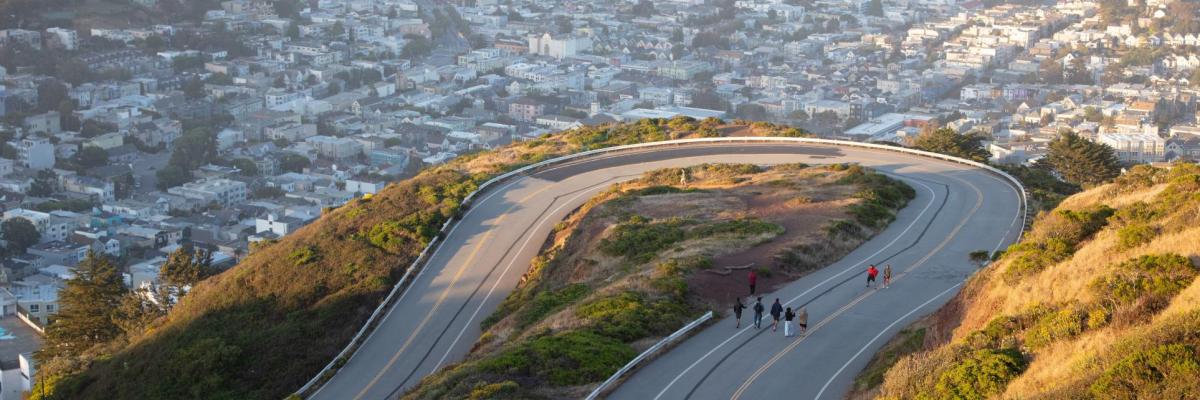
[{"x": 958, "y": 209}]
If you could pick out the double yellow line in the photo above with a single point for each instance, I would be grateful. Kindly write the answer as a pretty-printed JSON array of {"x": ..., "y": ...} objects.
[
  {"x": 442, "y": 298},
  {"x": 753, "y": 377}
]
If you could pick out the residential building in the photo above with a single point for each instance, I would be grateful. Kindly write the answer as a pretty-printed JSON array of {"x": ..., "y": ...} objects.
[
  {"x": 221, "y": 191},
  {"x": 1136, "y": 147}
]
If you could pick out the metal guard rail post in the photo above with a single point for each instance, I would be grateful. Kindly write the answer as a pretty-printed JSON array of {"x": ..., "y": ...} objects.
[{"x": 400, "y": 285}]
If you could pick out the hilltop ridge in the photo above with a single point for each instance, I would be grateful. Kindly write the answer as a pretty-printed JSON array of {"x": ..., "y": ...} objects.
[
  {"x": 1099, "y": 300},
  {"x": 266, "y": 326}
]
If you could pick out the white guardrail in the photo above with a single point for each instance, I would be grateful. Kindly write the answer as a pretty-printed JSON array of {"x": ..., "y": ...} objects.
[{"x": 342, "y": 357}]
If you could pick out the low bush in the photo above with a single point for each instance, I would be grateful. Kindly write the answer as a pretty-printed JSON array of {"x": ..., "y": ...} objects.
[
  {"x": 304, "y": 255},
  {"x": 566, "y": 359},
  {"x": 1134, "y": 235},
  {"x": 1073, "y": 226},
  {"x": 742, "y": 227},
  {"x": 637, "y": 239},
  {"x": 546, "y": 302},
  {"x": 1166, "y": 371},
  {"x": 980, "y": 375},
  {"x": 659, "y": 189},
  {"x": 494, "y": 390},
  {"x": 1030, "y": 257},
  {"x": 629, "y": 315},
  {"x": 1062, "y": 324},
  {"x": 843, "y": 228},
  {"x": 1152, "y": 275}
]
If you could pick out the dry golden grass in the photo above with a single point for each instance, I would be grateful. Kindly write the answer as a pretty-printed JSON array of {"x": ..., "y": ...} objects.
[{"x": 1066, "y": 367}]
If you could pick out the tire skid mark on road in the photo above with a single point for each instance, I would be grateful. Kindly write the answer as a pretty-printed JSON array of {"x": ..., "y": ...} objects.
[
  {"x": 852, "y": 267},
  {"x": 441, "y": 298},
  {"x": 954, "y": 233},
  {"x": 540, "y": 217}
]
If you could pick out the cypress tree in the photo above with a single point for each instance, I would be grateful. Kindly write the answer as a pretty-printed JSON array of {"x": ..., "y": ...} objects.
[
  {"x": 1081, "y": 161},
  {"x": 88, "y": 308}
]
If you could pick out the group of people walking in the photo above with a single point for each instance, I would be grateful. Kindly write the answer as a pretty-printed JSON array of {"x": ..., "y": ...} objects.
[
  {"x": 778, "y": 312},
  {"x": 799, "y": 317}
]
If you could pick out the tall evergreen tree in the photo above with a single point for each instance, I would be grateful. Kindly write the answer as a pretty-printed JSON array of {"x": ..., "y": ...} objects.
[
  {"x": 87, "y": 309},
  {"x": 185, "y": 267},
  {"x": 19, "y": 233},
  {"x": 947, "y": 141},
  {"x": 875, "y": 8},
  {"x": 1081, "y": 161}
]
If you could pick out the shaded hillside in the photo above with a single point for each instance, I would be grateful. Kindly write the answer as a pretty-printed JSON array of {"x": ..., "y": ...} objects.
[
  {"x": 263, "y": 328},
  {"x": 1099, "y": 300},
  {"x": 641, "y": 260}
]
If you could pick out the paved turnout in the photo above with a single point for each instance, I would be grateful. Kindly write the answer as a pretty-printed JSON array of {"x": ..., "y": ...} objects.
[{"x": 958, "y": 209}]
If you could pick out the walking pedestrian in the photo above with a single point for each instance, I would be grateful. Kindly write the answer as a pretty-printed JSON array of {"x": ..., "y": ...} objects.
[
  {"x": 788, "y": 317},
  {"x": 887, "y": 276},
  {"x": 758, "y": 310},
  {"x": 737, "y": 311},
  {"x": 802, "y": 320},
  {"x": 871, "y": 273},
  {"x": 776, "y": 311},
  {"x": 752, "y": 277}
]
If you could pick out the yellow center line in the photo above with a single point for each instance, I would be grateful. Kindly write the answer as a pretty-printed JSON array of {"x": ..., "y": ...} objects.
[
  {"x": 445, "y": 292},
  {"x": 746, "y": 385}
]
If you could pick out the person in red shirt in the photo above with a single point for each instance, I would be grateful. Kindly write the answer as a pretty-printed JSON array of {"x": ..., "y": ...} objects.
[
  {"x": 753, "y": 278},
  {"x": 871, "y": 273}
]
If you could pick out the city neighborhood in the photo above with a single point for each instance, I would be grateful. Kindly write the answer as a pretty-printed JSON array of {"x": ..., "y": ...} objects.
[{"x": 233, "y": 127}]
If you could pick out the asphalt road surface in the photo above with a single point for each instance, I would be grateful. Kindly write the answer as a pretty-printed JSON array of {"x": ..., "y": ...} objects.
[{"x": 958, "y": 209}]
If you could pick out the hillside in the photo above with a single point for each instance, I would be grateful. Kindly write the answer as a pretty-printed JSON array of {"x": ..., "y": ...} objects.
[
  {"x": 642, "y": 259},
  {"x": 1099, "y": 300},
  {"x": 266, "y": 326}
]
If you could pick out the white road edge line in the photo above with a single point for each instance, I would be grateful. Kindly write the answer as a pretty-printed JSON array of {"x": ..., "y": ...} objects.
[
  {"x": 860, "y": 351},
  {"x": 880, "y": 334},
  {"x": 852, "y": 267},
  {"x": 511, "y": 261}
]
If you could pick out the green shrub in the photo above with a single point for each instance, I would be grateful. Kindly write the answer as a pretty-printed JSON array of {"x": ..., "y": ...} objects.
[
  {"x": 980, "y": 375},
  {"x": 659, "y": 189},
  {"x": 1134, "y": 235},
  {"x": 1138, "y": 212},
  {"x": 1073, "y": 226},
  {"x": 304, "y": 255},
  {"x": 1063, "y": 324},
  {"x": 546, "y": 302},
  {"x": 844, "y": 228},
  {"x": 629, "y": 316},
  {"x": 1151, "y": 275},
  {"x": 637, "y": 239},
  {"x": 742, "y": 227},
  {"x": 566, "y": 359},
  {"x": 871, "y": 214},
  {"x": 494, "y": 390},
  {"x": 1030, "y": 257},
  {"x": 1098, "y": 317},
  {"x": 1166, "y": 371}
]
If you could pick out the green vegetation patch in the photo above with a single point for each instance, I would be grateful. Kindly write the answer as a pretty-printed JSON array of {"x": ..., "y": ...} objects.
[
  {"x": 547, "y": 302},
  {"x": 638, "y": 239},
  {"x": 565, "y": 359},
  {"x": 979, "y": 375},
  {"x": 1166, "y": 371},
  {"x": 1152, "y": 275},
  {"x": 908, "y": 341},
  {"x": 630, "y": 315}
]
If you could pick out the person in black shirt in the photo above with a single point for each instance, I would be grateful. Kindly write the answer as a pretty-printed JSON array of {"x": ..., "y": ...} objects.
[
  {"x": 776, "y": 312},
  {"x": 737, "y": 311},
  {"x": 758, "y": 310}
]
